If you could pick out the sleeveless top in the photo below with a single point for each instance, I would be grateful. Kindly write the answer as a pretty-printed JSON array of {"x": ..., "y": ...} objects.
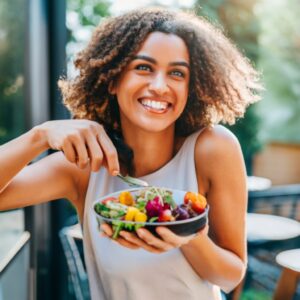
[{"x": 116, "y": 272}]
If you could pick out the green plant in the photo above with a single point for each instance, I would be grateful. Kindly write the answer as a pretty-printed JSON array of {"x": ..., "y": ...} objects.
[
  {"x": 280, "y": 61},
  {"x": 237, "y": 19},
  {"x": 252, "y": 294}
]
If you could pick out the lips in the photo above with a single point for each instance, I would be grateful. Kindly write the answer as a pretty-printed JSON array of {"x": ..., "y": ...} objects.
[{"x": 155, "y": 105}]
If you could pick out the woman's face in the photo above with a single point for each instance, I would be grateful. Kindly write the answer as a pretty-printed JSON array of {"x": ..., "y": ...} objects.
[{"x": 152, "y": 91}]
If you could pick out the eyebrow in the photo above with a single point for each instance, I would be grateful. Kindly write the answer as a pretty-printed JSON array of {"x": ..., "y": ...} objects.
[{"x": 153, "y": 61}]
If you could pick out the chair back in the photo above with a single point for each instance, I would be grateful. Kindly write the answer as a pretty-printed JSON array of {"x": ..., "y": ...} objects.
[{"x": 75, "y": 262}]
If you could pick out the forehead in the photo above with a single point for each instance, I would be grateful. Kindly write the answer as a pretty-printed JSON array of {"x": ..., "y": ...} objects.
[{"x": 161, "y": 45}]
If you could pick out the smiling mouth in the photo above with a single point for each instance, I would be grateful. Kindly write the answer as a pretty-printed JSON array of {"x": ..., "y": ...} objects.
[{"x": 155, "y": 105}]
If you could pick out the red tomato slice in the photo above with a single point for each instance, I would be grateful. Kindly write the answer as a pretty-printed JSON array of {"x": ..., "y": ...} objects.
[
  {"x": 113, "y": 199},
  {"x": 197, "y": 206},
  {"x": 165, "y": 216}
]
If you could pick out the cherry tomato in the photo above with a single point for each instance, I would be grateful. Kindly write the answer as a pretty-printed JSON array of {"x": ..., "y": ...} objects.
[
  {"x": 165, "y": 216},
  {"x": 198, "y": 206},
  {"x": 113, "y": 199}
]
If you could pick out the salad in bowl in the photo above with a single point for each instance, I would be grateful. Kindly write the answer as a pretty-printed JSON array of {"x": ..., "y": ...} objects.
[{"x": 183, "y": 212}]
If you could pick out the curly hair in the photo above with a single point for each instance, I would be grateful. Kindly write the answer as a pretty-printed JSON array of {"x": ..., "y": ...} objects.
[{"x": 222, "y": 81}]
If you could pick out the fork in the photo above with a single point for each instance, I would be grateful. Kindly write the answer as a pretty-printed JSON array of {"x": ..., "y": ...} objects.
[{"x": 133, "y": 181}]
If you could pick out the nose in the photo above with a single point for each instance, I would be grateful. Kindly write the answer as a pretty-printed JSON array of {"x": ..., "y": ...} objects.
[{"x": 159, "y": 84}]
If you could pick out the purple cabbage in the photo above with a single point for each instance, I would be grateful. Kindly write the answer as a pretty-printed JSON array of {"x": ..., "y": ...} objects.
[{"x": 154, "y": 207}]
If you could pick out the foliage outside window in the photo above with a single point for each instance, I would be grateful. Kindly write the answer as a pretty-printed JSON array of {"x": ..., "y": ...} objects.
[
  {"x": 280, "y": 60},
  {"x": 12, "y": 117},
  {"x": 12, "y": 44}
]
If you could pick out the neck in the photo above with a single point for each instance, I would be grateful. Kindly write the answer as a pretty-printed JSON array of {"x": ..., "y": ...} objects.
[{"x": 152, "y": 150}]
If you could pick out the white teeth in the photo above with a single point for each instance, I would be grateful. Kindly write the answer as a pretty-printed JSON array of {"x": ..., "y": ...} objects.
[{"x": 155, "y": 104}]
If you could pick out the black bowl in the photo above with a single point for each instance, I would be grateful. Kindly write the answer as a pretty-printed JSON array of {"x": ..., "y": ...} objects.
[{"x": 181, "y": 227}]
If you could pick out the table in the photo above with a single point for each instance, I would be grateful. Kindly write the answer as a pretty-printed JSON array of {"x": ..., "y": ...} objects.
[
  {"x": 263, "y": 227},
  {"x": 287, "y": 283},
  {"x": 255, "y": 183},
  {"x": 289, "y": 259}
]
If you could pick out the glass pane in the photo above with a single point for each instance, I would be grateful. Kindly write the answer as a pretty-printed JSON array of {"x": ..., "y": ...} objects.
[
  {"x": 12, "y": 118},
  {"x": 11, "y": 228},
  {"x": 12, "y": 45}
]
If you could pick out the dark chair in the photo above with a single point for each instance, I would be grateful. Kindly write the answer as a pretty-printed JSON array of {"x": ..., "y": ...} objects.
[
  {"x": 282, "y": 201},
  {"x": 72, "y": 245}
]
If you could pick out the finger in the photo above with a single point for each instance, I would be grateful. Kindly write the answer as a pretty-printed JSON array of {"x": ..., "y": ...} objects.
[
  {"x": 205, "y": 230},
  {"x": 121, "y": 241},
  {"x": 170, "y": 237},
  {"x": 106, "y": 229},
  {"x": 153, "y": 241},
  {"x": 103, "y": 234},
  {"x": 94, "y": 151},
  {"x": 69, "y": 151},
  {"x": 132, "y": 238},
  {"x": 81, "y": 150},
  {"x": 127, "y": 244},
  {"x": 109, "y": 152}
]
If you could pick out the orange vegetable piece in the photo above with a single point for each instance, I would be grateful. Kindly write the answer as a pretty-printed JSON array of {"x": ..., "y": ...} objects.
[
  {"x": 126, "y": 198},
  {"x": 189, "y": 196}
]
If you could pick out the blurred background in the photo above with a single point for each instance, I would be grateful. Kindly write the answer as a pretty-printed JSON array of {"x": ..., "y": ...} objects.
[{"x": 38, "y": 41}]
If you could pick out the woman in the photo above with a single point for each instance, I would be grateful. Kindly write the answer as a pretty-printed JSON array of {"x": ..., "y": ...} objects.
[{"x": 152, "y": 85}]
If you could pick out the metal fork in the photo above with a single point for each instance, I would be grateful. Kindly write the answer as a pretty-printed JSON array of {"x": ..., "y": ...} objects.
[{"x": 133, "y": 181}]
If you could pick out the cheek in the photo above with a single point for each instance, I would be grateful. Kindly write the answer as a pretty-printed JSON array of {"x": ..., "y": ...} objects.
[
  {"x": 129, "y": 85},
  {"x": 183, "y": 93}
]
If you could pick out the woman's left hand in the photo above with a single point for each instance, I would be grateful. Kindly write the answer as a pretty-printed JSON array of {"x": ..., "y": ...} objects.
[{"x": 146, "y": 240}]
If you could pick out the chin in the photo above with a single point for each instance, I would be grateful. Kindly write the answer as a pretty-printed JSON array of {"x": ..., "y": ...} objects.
[{"x": 156, "y": 128}]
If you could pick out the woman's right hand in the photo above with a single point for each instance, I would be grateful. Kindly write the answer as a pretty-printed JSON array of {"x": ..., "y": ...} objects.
[{"x": 82, "y": 142}]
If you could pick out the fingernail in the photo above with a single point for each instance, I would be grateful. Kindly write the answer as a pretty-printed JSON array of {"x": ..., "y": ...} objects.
[
  {"x": 115, "y": 172},
  {"x": 159, "y": 230},
  {"x": 140, "y": 232}
]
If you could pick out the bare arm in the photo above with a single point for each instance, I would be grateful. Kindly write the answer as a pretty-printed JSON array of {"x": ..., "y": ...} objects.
[
  {"x": 16, "y": 154},
  {"x": 48, "y": 179},
  {"x": 85, "y": 147},
  {"x": 221, "y": 256},
  {"x": 51, "y": 178}
]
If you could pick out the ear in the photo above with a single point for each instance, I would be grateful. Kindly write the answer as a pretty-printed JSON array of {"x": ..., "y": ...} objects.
[{"x": 112, "y": 88}]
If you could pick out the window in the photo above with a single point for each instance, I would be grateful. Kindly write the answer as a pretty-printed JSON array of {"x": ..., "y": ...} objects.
[{"x": 12, "y": 95}]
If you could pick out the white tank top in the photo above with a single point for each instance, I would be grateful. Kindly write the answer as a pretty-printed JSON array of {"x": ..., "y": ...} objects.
[{"x": 119, "y": 273}]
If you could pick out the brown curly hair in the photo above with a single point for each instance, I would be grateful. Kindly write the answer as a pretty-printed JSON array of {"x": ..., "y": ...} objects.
[{"x": 222, "y": 81}]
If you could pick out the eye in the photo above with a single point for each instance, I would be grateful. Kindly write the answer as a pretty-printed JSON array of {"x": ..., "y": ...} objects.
[
  {"x": 143, "y": 67},
  {"x": 178, "y": 73}
]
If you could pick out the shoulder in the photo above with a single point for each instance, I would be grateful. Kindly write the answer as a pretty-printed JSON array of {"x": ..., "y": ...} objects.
[
  {"x": 216, "y": 140},
  {"x": 216, "y": 149}
]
